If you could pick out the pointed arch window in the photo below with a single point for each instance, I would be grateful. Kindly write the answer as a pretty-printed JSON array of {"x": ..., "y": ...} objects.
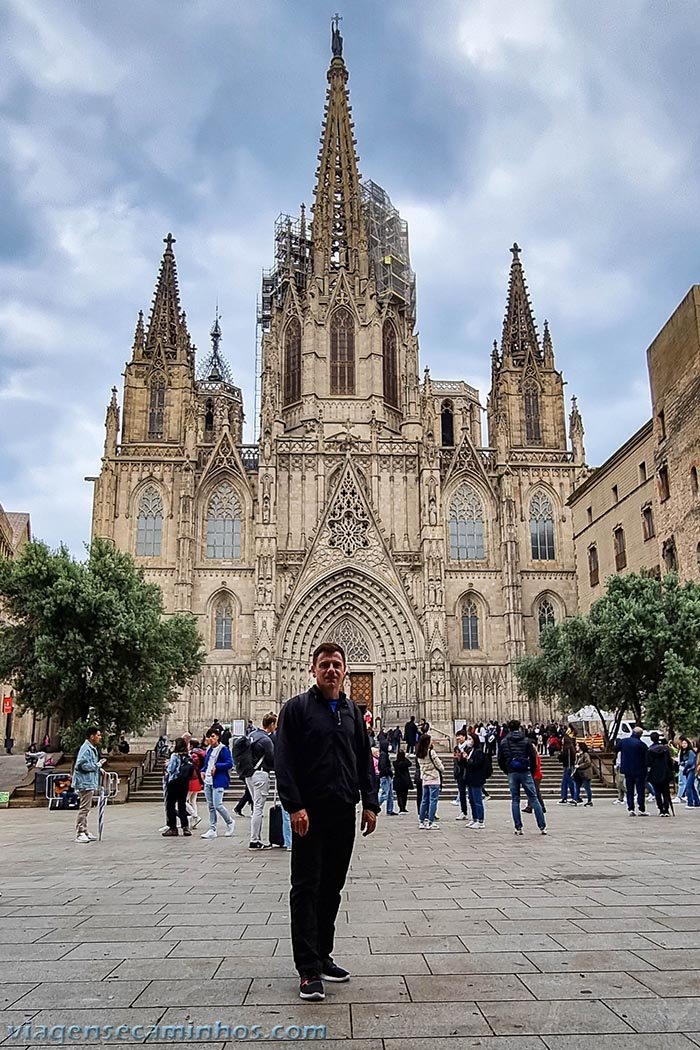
[
  {"x": 353, "y": 641},
  {"x": 156, "y": 409},
  {"x": 149, "y": 523},
  {"x": 533, "y": 428},
  {"x": 223, "y": 623},
  {"x": 391, "y": 378},
  {"x": 447, "y": 424},
  {"x": 545, "y": 614},
  {"x": 292, "y": 361},
  {"x": 209, "y": 417},
  {"x": 466, "y": 525},
  {"x": 541, "y": 527},
  {"x": 342, "y": 352},
  {"x": 224, "y": 523},
  {"x": 470, "y": 625}
]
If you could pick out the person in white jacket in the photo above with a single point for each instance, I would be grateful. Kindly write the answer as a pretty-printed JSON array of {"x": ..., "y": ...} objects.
[{"x": 431, "y": 769}]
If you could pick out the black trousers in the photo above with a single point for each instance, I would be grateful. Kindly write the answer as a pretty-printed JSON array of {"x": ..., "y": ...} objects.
[
  {"x": 663, "y": 797},
  {"x": 246, "y": 800},
  {"x": 636, "y": 782},
  {"x": 419, "y": 794},
  {"x": 176, "y": 796},
  {"x": 462, "y": 789},
  {"x": 320, "y": 862},
  {"x": 401, "y": 798}
]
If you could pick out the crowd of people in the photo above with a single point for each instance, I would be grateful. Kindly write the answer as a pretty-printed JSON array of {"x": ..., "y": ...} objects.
[{"x": 327, "y": 757}]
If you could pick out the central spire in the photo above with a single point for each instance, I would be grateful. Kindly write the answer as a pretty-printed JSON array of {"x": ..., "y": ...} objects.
[
  {"x": 338, "y": 225},
  {"x": 519, "y": 330}
]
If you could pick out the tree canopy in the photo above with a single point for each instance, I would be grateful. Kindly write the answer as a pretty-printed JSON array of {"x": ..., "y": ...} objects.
[
  {"x": 90, "y": 639},
  {"x": 637, "y": 650}
]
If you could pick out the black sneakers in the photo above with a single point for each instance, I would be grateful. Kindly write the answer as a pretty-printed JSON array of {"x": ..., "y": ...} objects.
[
  {"x": 311, "y": 987},
  {"x": 259, "y": 845},
  {"x": 333, "y": 972}
]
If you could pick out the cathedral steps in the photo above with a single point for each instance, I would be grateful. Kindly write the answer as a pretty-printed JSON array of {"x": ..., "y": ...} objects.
[{"x": 151, "y": 790}]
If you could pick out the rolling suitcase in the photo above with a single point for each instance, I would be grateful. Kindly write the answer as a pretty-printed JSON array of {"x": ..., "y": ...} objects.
[{"x": 276, "y": 830}]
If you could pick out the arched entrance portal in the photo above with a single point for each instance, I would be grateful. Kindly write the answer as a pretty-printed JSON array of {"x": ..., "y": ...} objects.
[{"x": 376, "y": 627}]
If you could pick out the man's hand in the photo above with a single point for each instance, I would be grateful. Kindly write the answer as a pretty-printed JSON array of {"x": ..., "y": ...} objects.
[
  {"x": 300, "y": 822},
  {"x": 368, "y": 823}
]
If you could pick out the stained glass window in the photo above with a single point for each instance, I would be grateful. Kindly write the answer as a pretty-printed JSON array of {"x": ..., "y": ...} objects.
[
  {"x": 223, "y": 624},
  {"x": 149, "y": 523},
  {"x": 470, "y": 625},
  {"x": 391, "y": 380},
  {"x": 342, "y": 352},
  {"x": 292, "y": 362},
  {"x": 224, "y": 523},
  {"x": 541, "y": 527},
  {"x": 466, "y": 525}
]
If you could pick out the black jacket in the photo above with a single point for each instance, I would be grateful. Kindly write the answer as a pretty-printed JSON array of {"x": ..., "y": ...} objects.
[
  {"x": 516, "y": 744},
  {"x": 385, "y": 766},
  {"x": 474, "y": 768},
  {"x": 410, "y": 733},
  {"x": 402, "y": 775},
  {"x": 323, "y": 758},
  {"x": 660, "y": 764}
]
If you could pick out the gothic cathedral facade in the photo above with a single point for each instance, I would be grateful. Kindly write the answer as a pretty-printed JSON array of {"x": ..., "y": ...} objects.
[{"x": 370, "y": 510}]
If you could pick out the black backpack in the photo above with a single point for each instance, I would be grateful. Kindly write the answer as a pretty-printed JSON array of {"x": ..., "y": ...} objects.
[
  {"x": 186, "y": 769},
  {"x": 244, "y": 759}
]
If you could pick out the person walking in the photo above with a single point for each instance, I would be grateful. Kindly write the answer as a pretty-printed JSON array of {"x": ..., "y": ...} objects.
[
  {"x": 324, "y": 766},
  {"x": 688, "y": 763},
  {"x": 86, "y": 780},
  {"x": 386, "y": 776},
  {"x": 196, "y": 783},
  {"x": 217, "y": 762},
  {"x": 410, "y": 735},
  {"x": 402, "y": 780},
  {"x": 633, "y": 766},
  {"x": 517, "y": 757},
  {"x": 475, "y": 777},
  {"x": 246, "y": 800},
  {"x": 567, "y": 757},
  {"x": 660, "y": 772},
  {"x": 180, "y": 770},
  {"x": 431, "y": 770},
  {"x": 258, "y": 783},
  {"x": 583, "y": 773}
]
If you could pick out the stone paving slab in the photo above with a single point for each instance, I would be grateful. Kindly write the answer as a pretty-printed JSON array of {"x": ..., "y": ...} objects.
[{"x": 576, "y": 940}]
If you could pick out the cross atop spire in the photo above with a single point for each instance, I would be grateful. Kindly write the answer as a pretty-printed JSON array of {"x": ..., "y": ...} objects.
[
  {"x": 338, "y": 228},
  {"x": 214, "y": 369},
  {"x": 519, "y": 330},
  {"x": 165, "y": 325}
]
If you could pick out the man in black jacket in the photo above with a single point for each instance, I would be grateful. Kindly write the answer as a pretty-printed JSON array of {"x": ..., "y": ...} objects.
[
  {"x": 324, "y": 767},
  {"x": 517, "y": 758}
]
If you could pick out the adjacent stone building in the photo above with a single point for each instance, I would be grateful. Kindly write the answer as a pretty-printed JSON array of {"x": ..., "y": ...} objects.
[
  {"x": 15, "y": 531},
  {"x": 674, "y": 377},
  {"x": 640, "y": 510},
  {"x": 615, "y": 518},
  {"x": 371, "y": 510}
]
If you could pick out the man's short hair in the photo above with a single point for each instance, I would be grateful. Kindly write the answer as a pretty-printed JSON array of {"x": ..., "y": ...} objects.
[
  {"x": 654, "y": 737},
  {"x": 329, "y": 648},
  {"x": 91, "y": 730},
  {"x": 269, "y": 719},
  {"x": 637, "y": 730},
  {"x": 514, "y": 724},
  {"x": 213, "y": 731}
]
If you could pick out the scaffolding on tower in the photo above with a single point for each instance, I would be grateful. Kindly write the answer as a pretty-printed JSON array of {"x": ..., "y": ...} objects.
[{"x": 388, "y": 249}]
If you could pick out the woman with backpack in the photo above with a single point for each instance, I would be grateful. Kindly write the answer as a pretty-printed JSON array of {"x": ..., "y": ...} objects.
[
  {"x": 179, "y": 771},
  {"x": 402, "y": 779},
  {"x": 431, "y": 770},
  {"x": 196, "y": 782}
]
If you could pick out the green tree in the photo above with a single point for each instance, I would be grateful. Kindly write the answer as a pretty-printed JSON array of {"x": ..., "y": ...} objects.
[
  {"x": 676, "y": 702},
  {"x": 90, "y": 639}
]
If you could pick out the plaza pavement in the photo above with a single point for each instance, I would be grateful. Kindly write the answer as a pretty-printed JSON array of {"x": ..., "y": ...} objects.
[{"x": 588, "y": 938}]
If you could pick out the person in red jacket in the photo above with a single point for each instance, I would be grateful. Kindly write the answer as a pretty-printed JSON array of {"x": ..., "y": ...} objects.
[{"x": 537, "y": 777}]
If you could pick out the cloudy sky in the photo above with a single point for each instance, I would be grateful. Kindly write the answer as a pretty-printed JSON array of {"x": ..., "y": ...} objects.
[{"x": 570, "y": 127}]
